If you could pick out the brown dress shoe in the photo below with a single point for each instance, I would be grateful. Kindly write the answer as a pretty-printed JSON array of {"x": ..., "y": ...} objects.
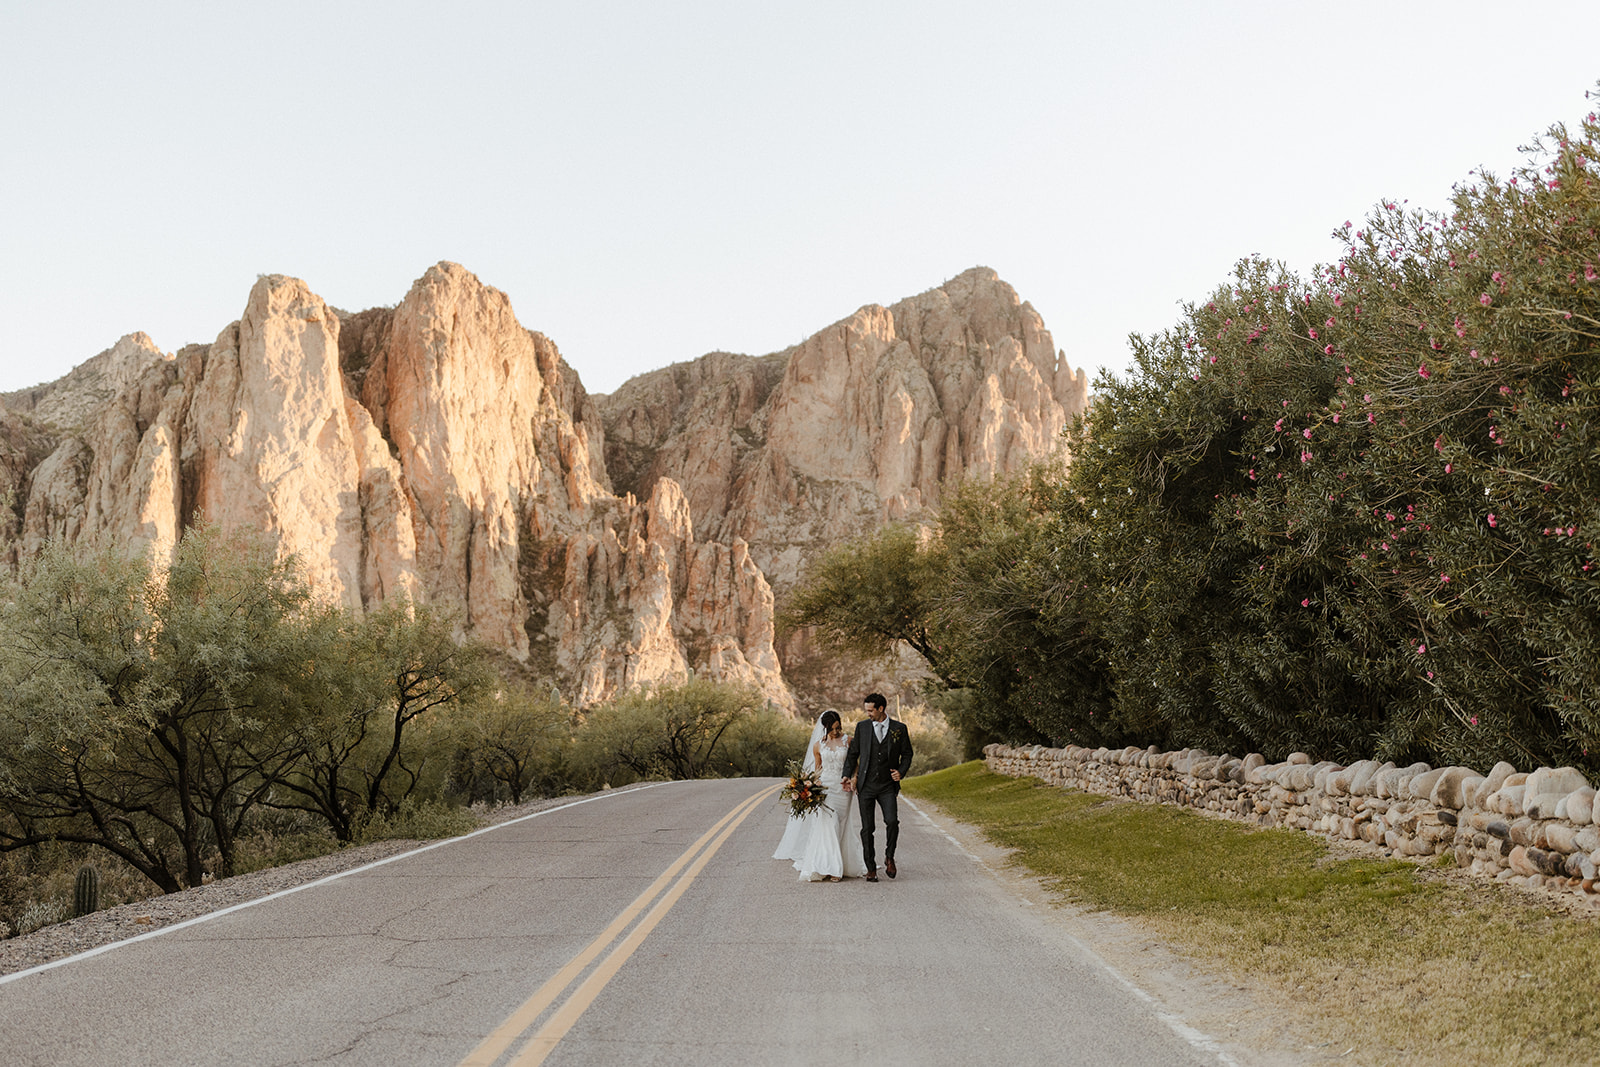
[
  {"x": 888, "y": 868},
  {"x": 872, "y": 876}
]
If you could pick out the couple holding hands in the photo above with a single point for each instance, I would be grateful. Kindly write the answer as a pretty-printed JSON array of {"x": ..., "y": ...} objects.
[{"x": 868, "y": 765}]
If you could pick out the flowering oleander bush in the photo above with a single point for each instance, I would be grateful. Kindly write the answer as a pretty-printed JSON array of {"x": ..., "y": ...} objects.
[{"x": 1355, "y": 515}]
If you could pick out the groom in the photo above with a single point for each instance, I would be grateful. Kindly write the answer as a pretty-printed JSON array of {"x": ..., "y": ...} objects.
[{"x": 879, "y": 756}]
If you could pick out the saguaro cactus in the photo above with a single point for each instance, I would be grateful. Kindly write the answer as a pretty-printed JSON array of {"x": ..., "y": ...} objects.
[{"x": 86, "y": 892}]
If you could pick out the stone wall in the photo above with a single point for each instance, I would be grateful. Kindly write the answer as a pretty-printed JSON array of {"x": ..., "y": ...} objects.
[{"x": 1533, "y": 829}]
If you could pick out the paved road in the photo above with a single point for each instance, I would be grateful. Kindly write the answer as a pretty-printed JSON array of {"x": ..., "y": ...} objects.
[{"x": 645, "y": 926}]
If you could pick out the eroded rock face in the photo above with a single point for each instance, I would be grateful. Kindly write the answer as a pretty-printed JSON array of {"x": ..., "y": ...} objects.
[
  {"x": 867, "y": 421},
  {"x": 440, "y": 450},
  {"x": 864, "y": 422}
]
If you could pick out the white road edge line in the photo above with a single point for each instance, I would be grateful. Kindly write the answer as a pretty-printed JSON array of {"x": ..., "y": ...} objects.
[
  {"x": 1196, "y": 1039},
  {"x": 12, "y": 977}
]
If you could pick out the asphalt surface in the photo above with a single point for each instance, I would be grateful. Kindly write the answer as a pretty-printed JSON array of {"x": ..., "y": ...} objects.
[{"x": 729, "y": 961}]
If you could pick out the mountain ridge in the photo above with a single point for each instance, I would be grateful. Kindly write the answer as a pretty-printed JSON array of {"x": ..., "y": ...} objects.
[{"x": 440, "y": 449}]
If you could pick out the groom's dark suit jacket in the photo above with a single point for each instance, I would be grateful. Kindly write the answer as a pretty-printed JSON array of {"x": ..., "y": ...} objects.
[{"x": 862, "y": 763}]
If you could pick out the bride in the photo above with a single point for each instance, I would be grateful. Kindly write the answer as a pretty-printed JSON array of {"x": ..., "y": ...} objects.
[{"x": 821, "y": 844}]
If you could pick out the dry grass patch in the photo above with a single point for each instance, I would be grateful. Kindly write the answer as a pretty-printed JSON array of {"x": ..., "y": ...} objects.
[{"x": 1384, "y": 956}]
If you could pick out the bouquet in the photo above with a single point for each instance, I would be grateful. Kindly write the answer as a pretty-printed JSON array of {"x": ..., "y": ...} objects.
[{"x": 804, "y": 791}]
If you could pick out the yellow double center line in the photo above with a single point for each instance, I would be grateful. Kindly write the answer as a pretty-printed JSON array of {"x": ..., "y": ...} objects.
[{"x": 556, "y": 1026}]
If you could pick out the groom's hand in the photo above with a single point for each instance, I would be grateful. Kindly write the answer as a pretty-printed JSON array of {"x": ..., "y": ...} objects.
[{"x": 895, "y": 775}]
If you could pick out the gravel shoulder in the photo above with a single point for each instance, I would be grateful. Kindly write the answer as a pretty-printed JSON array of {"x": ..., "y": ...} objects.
[{"x": 119, "y": 923}]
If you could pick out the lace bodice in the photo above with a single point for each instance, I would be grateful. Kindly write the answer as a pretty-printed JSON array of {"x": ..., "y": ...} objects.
[{"x": 832, "y": 766}]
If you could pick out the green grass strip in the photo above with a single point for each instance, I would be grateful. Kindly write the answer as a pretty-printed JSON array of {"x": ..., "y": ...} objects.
[{"x": 1406, "y": 966}]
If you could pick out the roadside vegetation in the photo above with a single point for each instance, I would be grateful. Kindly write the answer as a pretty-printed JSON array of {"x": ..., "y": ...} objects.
[{"x": 1395, "y": 960}]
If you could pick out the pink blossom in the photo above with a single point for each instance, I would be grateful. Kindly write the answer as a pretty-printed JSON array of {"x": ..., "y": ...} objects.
[
  {"x": 1422, "y": 371},
  {"x": 1327, "y": 350},
  {"x": 1313, "y": 332},
  {"x": 1306, "y": 434},
  {"x": 1485, "y": 299},
  {"x": 1389, "y": 516},
  {"x": 1473, "y": 720},
  {"x": 1335, "y": 418},
  {"x": 1588, "y": 272},
  {"x": 1422, "y": 650},
  {"x": 1306, "y": 603},
  {"x": 1445, "y": 578},
  {"x": 1449, "y": 468},
  {"x": 1493, "y": 522}
]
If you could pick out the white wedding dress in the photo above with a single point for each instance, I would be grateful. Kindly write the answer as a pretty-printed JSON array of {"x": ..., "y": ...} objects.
[{"x": 826, "y": 844}]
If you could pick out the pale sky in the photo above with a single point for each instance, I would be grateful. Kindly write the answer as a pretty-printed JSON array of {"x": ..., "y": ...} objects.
[{"x": 653, "y": 181}]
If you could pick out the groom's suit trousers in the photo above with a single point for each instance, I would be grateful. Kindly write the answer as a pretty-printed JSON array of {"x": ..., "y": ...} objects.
[{"x": 888, "y": 801}]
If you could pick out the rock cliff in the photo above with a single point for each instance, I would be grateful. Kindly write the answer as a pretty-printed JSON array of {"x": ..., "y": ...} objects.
[
  {"x": 440, "y": 450},
  {"x": 864, "y": 422}
]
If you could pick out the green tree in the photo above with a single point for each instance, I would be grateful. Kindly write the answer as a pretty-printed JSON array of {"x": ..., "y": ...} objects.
[
  {"x": 869, "y": 595},
  {"x": 515, "y": 739},
  {"x": 1015, "y": 615},
  {"x": 377, "y": 677},
  {"x": 147, "y": 712}
]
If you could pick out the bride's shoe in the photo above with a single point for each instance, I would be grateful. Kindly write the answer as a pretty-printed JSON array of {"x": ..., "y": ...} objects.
[{"x": 833, "y": 878}]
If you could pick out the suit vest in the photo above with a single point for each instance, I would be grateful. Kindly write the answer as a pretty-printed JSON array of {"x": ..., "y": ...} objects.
[{"x": 878, "y": 762}]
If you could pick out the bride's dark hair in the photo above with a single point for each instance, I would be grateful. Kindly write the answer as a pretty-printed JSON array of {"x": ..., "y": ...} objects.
[{"x": 830, "y": 719}]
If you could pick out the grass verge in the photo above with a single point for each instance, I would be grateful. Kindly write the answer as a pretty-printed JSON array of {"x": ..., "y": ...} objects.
[{"x": 1406, "y": 967}]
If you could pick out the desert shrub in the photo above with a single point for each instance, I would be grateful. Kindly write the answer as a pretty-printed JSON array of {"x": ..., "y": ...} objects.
[
  {"x": 417, "y": 819},
  {"x": 670, "y": 732},
  {"x": 760, "y": 745},
  {"x": 509, "y": 745}
]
